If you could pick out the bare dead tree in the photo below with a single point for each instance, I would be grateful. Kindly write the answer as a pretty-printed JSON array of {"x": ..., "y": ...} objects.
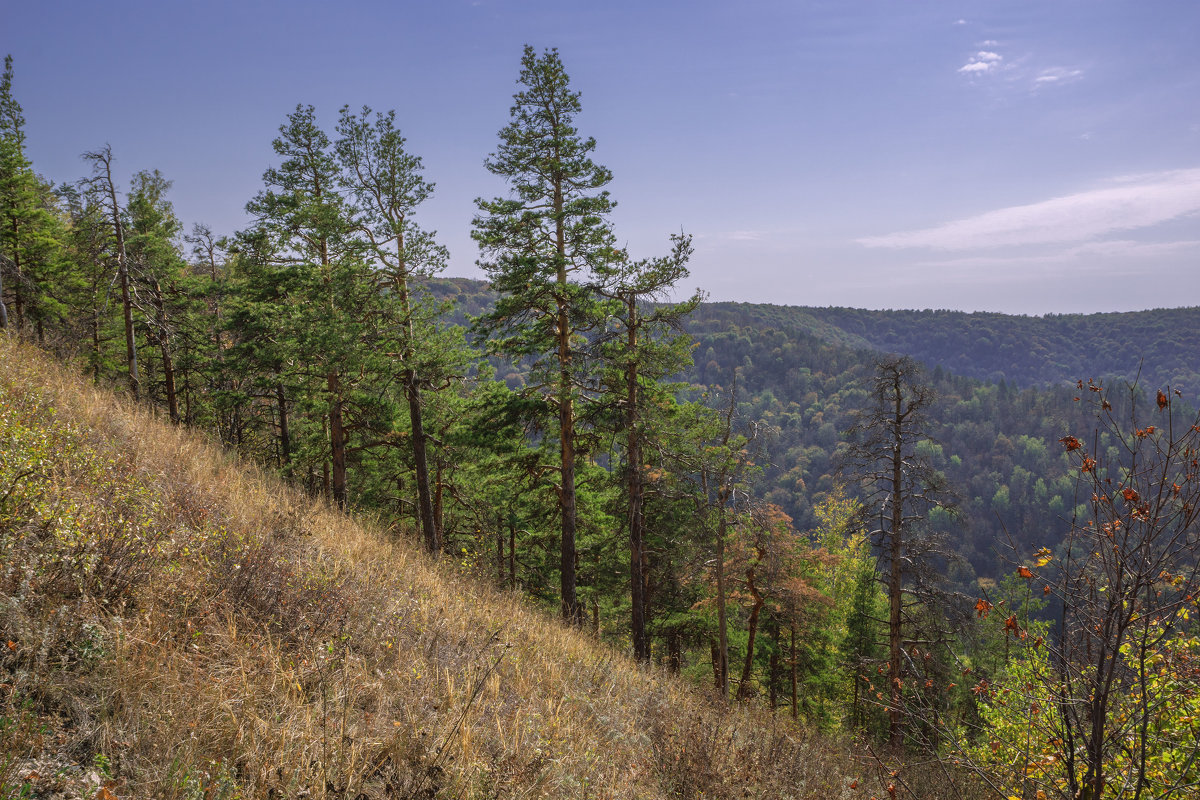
[
  {"x": 900, "y": 487},
  {"x": 102, "y": 180}
]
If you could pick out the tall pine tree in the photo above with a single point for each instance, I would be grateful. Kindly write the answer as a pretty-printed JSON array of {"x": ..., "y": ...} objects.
[{"x": 544, "y": 247}]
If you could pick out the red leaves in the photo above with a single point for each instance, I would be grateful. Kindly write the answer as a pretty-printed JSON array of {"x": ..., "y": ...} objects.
[
  {"x": 1024, "y": 572},
  {"x": 1071, "y": 443},
  {"x": 1131, "y": 495},
  {"x": 1142, "y": 433},
  {"x": 1163, "y": 402},
  {"x": 982, "y": 607},
  {"x": 1010, "y": 624},
  {"x": 1088, "y": 464}
]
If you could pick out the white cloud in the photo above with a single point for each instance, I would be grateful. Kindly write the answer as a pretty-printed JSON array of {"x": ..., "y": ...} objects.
[
  {"x": 983, "y": 61},
  {"x": 960, "y": 22},
  {"x": 988, "y": 43},
  {"x": 1133, "y": 202}
]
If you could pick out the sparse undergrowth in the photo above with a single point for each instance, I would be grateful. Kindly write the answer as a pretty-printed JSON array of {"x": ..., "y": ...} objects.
[{"x": 175, "y": 624}]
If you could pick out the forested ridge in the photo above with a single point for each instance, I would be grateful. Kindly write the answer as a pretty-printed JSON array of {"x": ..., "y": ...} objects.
[{"x": 783, "y": 505}]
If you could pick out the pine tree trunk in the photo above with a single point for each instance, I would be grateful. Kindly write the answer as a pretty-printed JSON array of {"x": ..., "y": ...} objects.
[
  {"x": 337, "y": 441},
  {"x": 722, "y": 629},
  {"x": 285, "y": 438},
  {"x": 164, "y": 345},
  {"x": 637, "y": 561},
  {"x": 512, "y": 551},
  {"x": 429, "y": 526},
  {"x": 572, "y": 611},
  {"x": 499, "y": 549}
]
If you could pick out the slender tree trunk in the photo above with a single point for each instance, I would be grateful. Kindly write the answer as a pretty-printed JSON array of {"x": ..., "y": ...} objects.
[
  {"x": 337, "y": 440},
  {"x": 95, "y": 325},
  {"x": 285, "y": 437},
  {"x": 104, "y": 158},
  {"x": 412, "y": 391},
  {"x": 674, "y": 651},
  {"x": 512, "y": 551},
  {"x": 795, "y": 694},
  {"x": 637, "y": 561},
  {"x": 722, "y": 625},
  {"x": 429, "y": 526},
  {"x": 572, "y": 611},
  {"x": 438, "y": 489},
  {"x": 773, "y": 664},
  {"x": 499, "y": 549},
  {"x": 715, "y": 650},
  {"x": 3, "y": 308},
  {"x": 743, "y": 691},
  {"x": 164, "y": 345},
  {"x": 895, "y": 578},
  {"x": 18, "y": 299}
]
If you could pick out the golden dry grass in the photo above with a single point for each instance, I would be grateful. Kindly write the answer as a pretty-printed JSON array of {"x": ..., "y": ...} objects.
[{"x": 180, "y": 624}]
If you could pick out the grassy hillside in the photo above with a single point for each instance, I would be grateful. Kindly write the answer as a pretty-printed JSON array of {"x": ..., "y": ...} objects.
[{"x": 176, "y": 624}]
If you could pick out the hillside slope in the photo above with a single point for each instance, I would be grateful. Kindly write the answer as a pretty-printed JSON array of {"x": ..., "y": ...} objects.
[
  {"x": 176, "y": 624},
  {"x": 1052, "y": 350}
]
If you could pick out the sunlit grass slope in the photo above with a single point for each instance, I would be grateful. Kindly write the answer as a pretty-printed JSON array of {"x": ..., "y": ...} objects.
[{"x": 174, "y": 623}]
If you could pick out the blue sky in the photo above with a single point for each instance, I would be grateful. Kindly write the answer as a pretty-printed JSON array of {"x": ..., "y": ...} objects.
[{"x": 1027, "y": 156}]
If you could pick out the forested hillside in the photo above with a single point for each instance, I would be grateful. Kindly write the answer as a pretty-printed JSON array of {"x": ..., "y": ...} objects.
[
  {"x": 1051, "y": 350},
  {"x": 803, "y": 372}
]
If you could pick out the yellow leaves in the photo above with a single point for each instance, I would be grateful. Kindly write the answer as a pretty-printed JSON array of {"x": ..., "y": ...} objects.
[{"x": 1043, "y": 557}]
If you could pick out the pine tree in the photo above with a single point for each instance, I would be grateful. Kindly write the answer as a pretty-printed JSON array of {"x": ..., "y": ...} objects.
[
  {"x": 543, "y": 248},
  {"x": 159, "y": 269},
  {"x": 31, "y": 233},
  {"x": 642, "y": 347},
  {"x": 329, "y": 292},
  {"x": 102, "y": 183},
  {"x": 387, "y": 185}
]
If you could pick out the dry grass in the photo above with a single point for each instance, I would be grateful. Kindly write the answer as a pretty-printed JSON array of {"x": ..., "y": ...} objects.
[{"x": 177, "y": 624}]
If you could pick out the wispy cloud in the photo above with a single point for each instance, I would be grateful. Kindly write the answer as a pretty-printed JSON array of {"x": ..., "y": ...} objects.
[
  {"x": 1124, "y": 250},
  {"x": 744, "y": 235},
  {"x": 1058, "y": 75},
  {"x": 1129, "y": 203}
]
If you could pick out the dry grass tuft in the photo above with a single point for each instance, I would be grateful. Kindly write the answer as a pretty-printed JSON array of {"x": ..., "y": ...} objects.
[{"x": 177, "y": 624}]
